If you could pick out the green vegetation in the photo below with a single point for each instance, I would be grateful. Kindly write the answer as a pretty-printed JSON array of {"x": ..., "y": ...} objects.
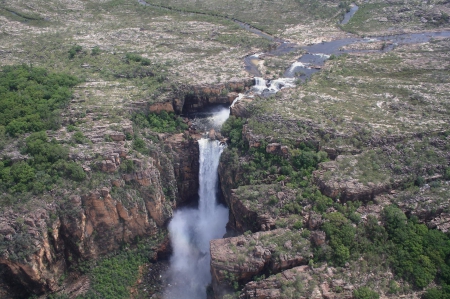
[
  {"x": 30, "y": 98},
  {"x": 160, "y": 122},
  {"x": 232, "y": 128},
  {"x": 365, "y": 293},
  {"x": 48, "y": 164},
  {"x": 137, "y": 58},
  {"x": 293, "y": 169},
  {"x": 254, "y": 12},
  {"x": 415, "y": 253},
  {"x": 74, "y": 50},
  {"x": 113, "y": 276}
]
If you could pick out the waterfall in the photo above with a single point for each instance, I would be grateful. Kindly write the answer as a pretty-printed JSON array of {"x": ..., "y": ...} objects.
[
  {"x": 260, "y": 85},
  {"x": 192, "y": 229},
  {"x": 240, "y": 96}
]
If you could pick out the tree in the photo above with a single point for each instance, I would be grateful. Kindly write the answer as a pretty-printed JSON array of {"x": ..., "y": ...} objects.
[{"x": 365, "y": 293}]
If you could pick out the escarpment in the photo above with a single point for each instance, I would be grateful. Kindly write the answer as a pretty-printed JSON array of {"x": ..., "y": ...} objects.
[
  {"x": 43, "y": 239},
  {"x": 185, "y": 99}
]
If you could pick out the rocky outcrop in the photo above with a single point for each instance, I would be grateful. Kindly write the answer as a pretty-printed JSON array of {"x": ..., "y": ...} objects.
[
  {"x": 350, "y": 189},
  {"x": 241, "y": 258},
  {"x": 298, "y": 282},
  {"x": 277, "y": 149},
  {"x": 194, "y": 98},
  {"x": 159, "y": 107},
  {"x": 239, "y": 109}
]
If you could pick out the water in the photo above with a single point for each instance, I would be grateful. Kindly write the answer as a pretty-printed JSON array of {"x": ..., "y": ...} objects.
[
  {"x": 192, "y": 229},
  {"x": 349, "y": 15},
  {"x": 212, "y": 117}
]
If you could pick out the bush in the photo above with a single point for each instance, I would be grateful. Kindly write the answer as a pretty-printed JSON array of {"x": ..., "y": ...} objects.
[
  {"x": 365, "y": 293},
  {"x": 30, "y": 98},
  {"x": 160, "y": 122},
  {"x": 95, "y": 51},
  {"x": 137, "y": 58},
  {"x": 447, "y": 173},
  {"x": 420, "y": 181},
  {"x": 48, "y": 163},
  {"x": 232, "y": 129},
  {"x": 79, "y": 138},
  {"x": 74, "y": 50},
  {"x": 433, "y": 293}
]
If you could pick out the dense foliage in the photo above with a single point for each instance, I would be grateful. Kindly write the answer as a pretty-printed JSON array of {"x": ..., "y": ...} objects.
[
  {"x": 48, "y": 165},
  {"x": 30, "y": 98},
  {"x": 113, "y": 276},
  {"x": 300, "y": 164},
  {"x": 232, "y": 128},
  {"x": 160, "y": 122},
  {"x": 415, "y": 253}
]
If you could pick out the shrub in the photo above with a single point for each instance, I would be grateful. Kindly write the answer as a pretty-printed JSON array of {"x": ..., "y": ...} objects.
[
  {"x": 74, "y": 50},
  {"x": 365, "y": 293},
  {"x": 432, "y": 293},
  {"x": 232, "y": 128},
  {"x": 95, "y": 51},
  {"x": 447, "y": 173},
  {"x": 79, "y": 137},
  {"x": 48, "y": 162},
  {"x": 160, "y": 122},
  {"x": 137, "y": 58},
  {"x": 30, "y": 98},
  {"x": 420, "y": 181}
]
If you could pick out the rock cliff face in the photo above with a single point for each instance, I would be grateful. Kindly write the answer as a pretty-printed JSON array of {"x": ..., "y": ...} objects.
[
  {"x": 43, "y": 239},
  {"x": 239, "y": 259},
  {"x": 133, "y": 200},
  {"x": 185, "y": 153},
  {"x": 194, "y": 98}
]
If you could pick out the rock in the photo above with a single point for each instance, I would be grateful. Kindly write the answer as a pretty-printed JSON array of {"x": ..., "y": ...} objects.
[
  {"x": 212, "y": 134},
  {"x": 288, "y": 245},
  {"x": 117, "y": 136},
  {"x": 92, "y": 225},
  {"x": 195, "y": 98},
  {"x": 159, "y": 107},
  {"x": 239, "y": 109},
  {"x": 314, "y": 220},
  {"x": 226, "y": 257},
  {"x": 277, "y": 149},
  {"x": 318, "y": 237}
]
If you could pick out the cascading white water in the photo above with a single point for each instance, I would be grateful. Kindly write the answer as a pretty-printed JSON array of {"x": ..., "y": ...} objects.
[
  {"x": 260, "y": 85},
  {"x": 192, "y": 229}
]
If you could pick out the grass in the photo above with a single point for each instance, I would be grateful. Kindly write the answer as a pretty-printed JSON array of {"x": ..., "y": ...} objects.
[
  {"x": 377, "y": 16},
  {"x": 260, "y": 13}
]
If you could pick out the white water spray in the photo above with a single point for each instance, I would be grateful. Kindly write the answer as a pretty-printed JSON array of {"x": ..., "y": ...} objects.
[
  {"x": 260, "y": 85},
  {"x": 192, "y": 229}
]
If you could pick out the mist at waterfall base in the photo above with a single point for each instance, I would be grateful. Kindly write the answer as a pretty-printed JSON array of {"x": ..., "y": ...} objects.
[{"x": 192, "y": 229}]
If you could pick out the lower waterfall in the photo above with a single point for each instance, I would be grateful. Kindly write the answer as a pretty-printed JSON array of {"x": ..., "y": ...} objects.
[{"x": 192, "y": 229}]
